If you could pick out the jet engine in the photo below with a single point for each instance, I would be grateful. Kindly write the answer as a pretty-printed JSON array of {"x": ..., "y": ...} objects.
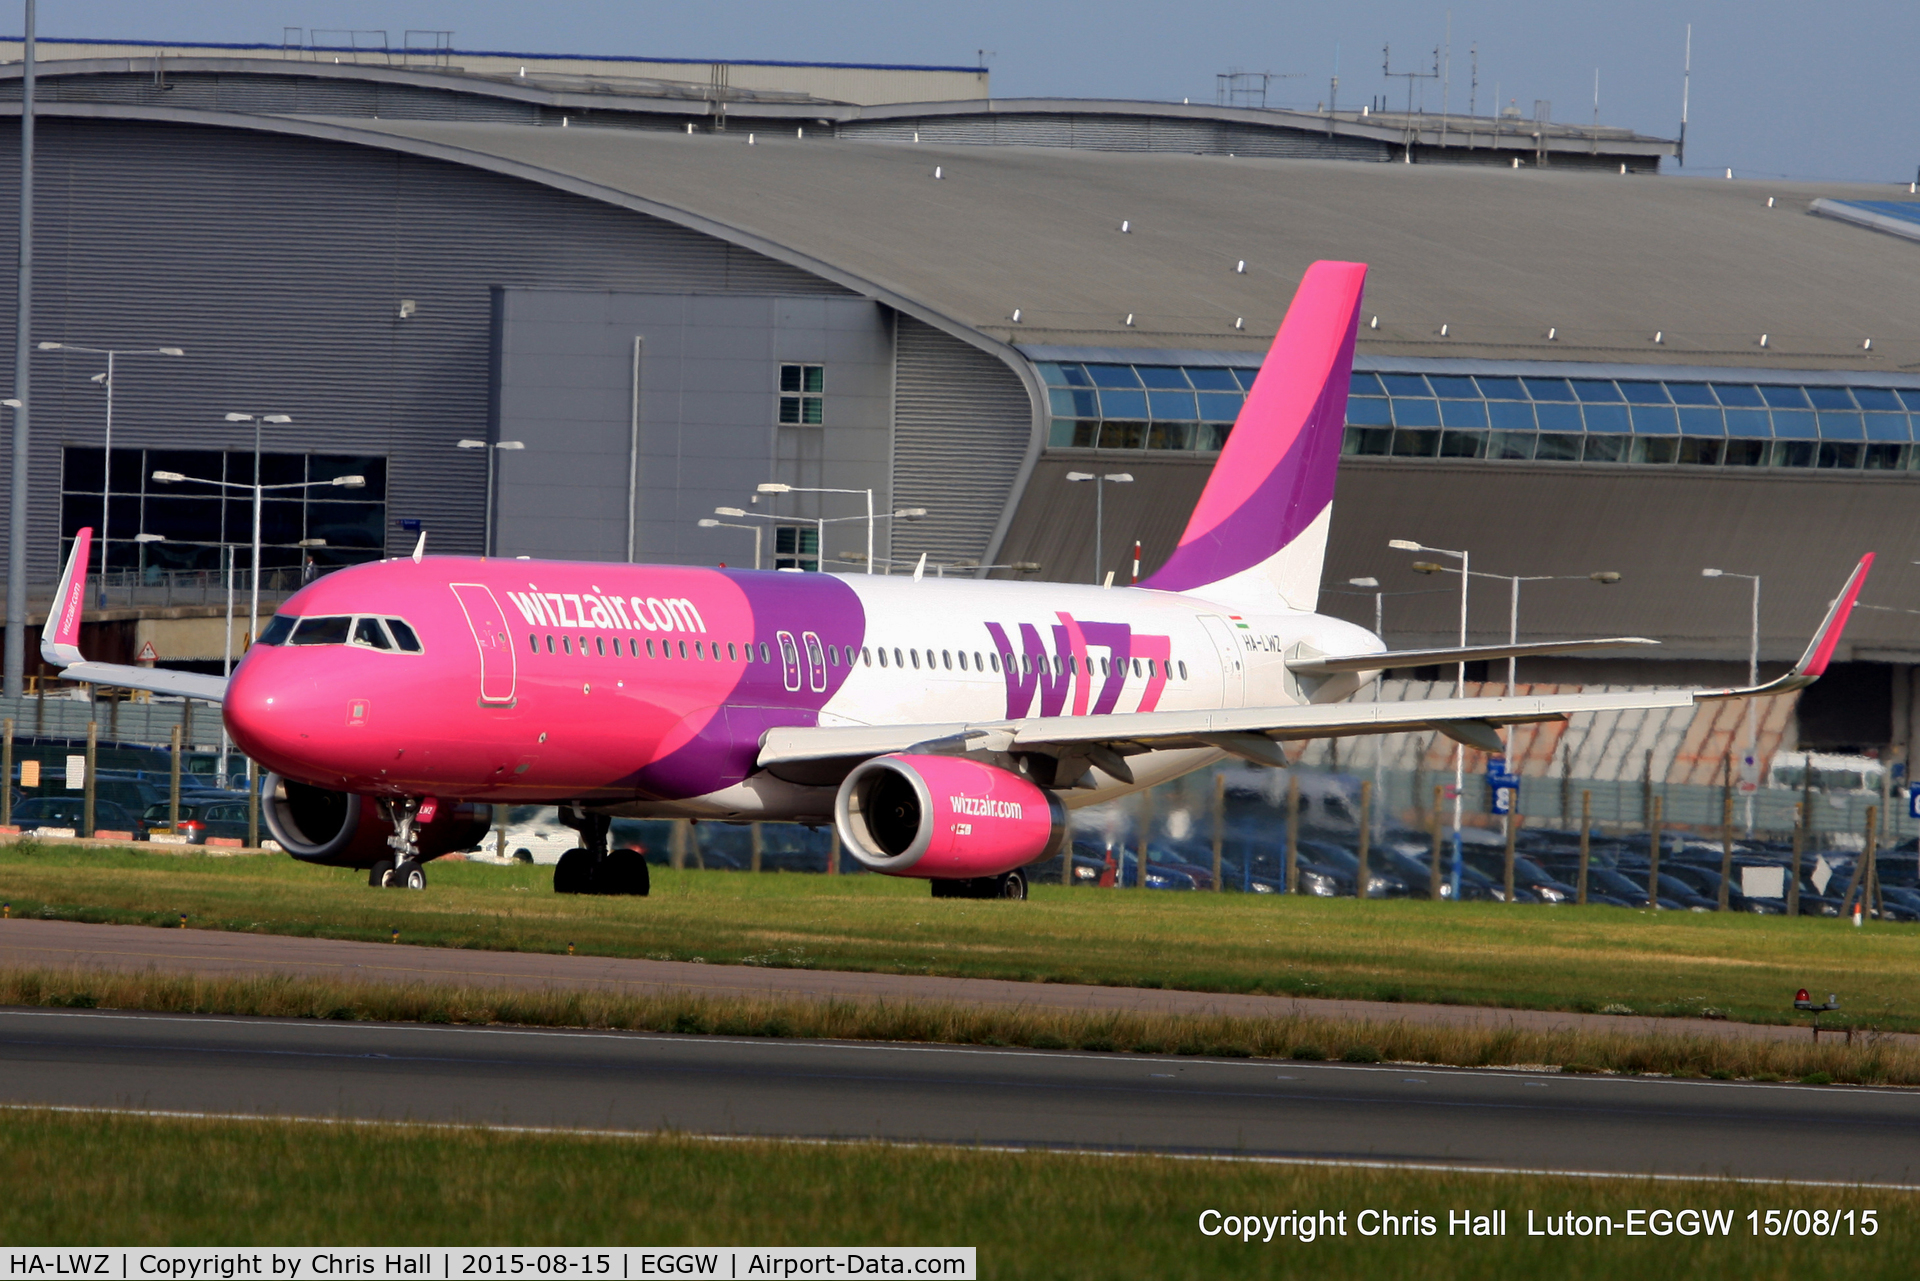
[
  {"x": 945, "y": 817},
  {"x": 345, "y": 829}
]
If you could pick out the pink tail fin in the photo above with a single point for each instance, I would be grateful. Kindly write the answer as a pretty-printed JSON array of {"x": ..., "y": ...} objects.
[
  {"x": 60, "y": 640},
  {"x": 1259, "y": 533}
]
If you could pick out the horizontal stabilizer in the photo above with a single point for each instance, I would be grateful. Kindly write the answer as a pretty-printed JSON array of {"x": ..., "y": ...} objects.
[
  {"x": 60, "y": 643},
  {"x": 157, "y": 680},
  {"x": 1470, "y": 654}
]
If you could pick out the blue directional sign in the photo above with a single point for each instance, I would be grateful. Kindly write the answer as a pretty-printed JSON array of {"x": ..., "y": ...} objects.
[
  {"x": 1913, "y": 800},
  {"x": 1503, "y": 787}
]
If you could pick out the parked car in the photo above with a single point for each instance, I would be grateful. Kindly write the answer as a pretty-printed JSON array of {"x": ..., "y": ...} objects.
[
  {"x": 1380, "y": 882},
  {"x": 199, "y": 819},
  {"x": 37, "y": 812}
]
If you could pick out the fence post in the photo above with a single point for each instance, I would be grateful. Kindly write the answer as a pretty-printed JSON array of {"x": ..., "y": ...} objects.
[
  {"x": 253, "y": 805},
  {"x": 753, "y": 834},
  {"x": 1146, "y": 830},
  {"x": 173, "y": 785},
  {"x": 1514, "y": 820},
  {"x": 1860, "y": 866},
  {"x": 93, "y": 752},
  {"x": 6, "y": 771},
  {"x": 1293, "y": 833},
  {"x": 1726, "y": 847},
  {"x": 677, "y": 846},
  {"x": 1799, "y": 840},
  {"x": 1220, "y": 830},
  {"x": 1586, "y": 841},
  {"x": 1433, "y": 830},
  {"x": 500, "y": 815},
  {"x": 1366, "y": 835},
  {"x": 1653, "y": 859},
  {"x": 833, "y": 850}
]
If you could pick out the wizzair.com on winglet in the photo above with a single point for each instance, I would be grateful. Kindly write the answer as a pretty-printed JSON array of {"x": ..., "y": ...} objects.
[{"x": 945, "y": 726}]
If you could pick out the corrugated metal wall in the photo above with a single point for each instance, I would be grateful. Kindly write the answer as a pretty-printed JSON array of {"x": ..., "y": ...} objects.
[
  {"x": 962, "y": 421},
  {"x": 283, "y": 95},
  {"x": 1118, "y": 133},
  {"x": 279, "y": 264}
]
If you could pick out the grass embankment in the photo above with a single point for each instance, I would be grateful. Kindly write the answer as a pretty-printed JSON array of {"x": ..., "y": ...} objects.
[
  {"x": 1869, "y": 1060},
  {"x": 1591, "y": 959},
  {"x": 97, "y": 1179}
]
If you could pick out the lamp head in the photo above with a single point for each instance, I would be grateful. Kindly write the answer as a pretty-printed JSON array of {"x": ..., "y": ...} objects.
[
  {"x": 1711, "y": 573},
  {"x": 1026, "y": 567},
  {"x": 149, "y": 538},
  {"x": 239, "y": 418},
  {"x": 911, "y": 513},
  {"x": 772, "y": 487},
  {"x": 1428, "y": 567},
  {"x": 1079, "y": 475},
  {"x": 1605, "y": 577},
  {"x": 1403, "y": 545},
  {"x": 173, "y": 351},
  {"x": 728, "y": 511},
  {"x": 1118, "y": 478},
  {"x": 509, "y": 444},
  {"x": 707, "y": 522},
  {"x": 10, "y": 404},
  {"x": 51, "y": 346},
  {"x": 312, "y": 542},
  {"x": 1363, "y": 582},
  {"x": 470, "y": 444},
  {"x": 350, "y": 482},
  {"x": 278, "y": 420},
  {"x": 168, "y": 477},
  {"x": 98, "y": 378}
]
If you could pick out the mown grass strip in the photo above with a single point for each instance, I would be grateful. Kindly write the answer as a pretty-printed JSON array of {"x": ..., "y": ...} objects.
[
  {"x": 125, "y": 1180},
  {"x": 1870, "y": 1060},
  {"x": 1590, "y": 959}
]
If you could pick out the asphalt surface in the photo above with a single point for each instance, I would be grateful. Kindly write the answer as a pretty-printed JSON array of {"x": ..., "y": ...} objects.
[
  {"x": 133, "y": 948},
  {"x": 835, "y": 1090}
]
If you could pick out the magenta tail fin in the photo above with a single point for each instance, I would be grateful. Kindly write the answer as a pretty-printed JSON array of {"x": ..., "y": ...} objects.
[{"x": 1259, "y": 533}]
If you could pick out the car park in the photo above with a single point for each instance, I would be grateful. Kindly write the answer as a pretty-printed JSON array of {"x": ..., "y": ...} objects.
[
  {"x": 224, "y": 818},
  {"x": 64, "y": 812}
]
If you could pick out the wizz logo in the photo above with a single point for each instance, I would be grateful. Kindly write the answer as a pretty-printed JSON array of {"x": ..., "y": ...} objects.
[{"x": 1067, "y": 678}]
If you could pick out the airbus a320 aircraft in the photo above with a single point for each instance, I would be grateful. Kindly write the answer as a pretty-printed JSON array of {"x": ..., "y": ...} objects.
[{"x": 946, "y": 727}]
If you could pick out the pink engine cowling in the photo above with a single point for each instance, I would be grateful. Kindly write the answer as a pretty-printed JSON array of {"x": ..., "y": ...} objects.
[{"x": 945, "y": 817}]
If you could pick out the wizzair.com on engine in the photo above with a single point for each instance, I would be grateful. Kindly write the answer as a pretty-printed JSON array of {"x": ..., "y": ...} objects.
[{"x": 946, "y": 727}]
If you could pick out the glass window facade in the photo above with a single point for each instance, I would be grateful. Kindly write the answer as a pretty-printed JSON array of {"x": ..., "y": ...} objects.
[
  {"x": 195, "y": 520},
  {"x": 796, "y": 547},
  {"x": 1648, "y": 421}
]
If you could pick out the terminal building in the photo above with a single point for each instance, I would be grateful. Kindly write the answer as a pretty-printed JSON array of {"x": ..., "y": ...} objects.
[{"x": 667, "y": 283}]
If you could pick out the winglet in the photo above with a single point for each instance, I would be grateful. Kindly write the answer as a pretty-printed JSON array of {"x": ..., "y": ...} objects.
[
  {"x": 420, "y": 547},
  {"x": 60, "y": 639},
  {"x": 1813, "y": 663}
]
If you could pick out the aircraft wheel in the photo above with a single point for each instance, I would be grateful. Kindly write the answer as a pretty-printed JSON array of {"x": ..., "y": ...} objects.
[
  {"x": 377, "y": 874},
  {"x": 410, "y": 875},
  {"x": 1013, "y": 885},
  {"x": 623, "y": 872},
  {"x": 573, "y": 874}
]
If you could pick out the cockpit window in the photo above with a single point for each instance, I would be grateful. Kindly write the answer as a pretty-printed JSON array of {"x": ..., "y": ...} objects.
[
  {"x": 403, "y": 636},
  {"x": 277, "y": 631},
  {"x": 368, "y": 632},
  {"x": 321, "y": 631}
]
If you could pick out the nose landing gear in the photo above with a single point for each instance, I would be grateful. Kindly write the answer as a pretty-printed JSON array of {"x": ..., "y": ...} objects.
[
  {"x": 403, "y": 870},
  {"x": 593, "y": 868}
]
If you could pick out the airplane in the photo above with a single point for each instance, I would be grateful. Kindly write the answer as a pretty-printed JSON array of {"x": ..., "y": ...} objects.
[{"x": 946, "y": 727}]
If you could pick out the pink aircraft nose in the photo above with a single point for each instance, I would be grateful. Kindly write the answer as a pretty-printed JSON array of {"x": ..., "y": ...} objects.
[{"x": 273, "y": 711}]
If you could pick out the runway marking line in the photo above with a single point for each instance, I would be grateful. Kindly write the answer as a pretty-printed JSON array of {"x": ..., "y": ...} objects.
[{"x": 1003, "y": 1149}]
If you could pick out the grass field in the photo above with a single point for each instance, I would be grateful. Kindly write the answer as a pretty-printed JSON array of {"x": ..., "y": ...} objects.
[
  {"x": 1483, "y": 954},
  {"x": 95, "y": 1179},
  {"x": 1870, "y": 1060}
]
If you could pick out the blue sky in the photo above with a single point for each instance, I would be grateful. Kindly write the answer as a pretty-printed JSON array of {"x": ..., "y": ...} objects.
[{"x": 1779, "y": 89}]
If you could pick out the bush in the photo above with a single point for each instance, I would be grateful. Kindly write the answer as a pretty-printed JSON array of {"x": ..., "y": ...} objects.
[
  {"x": 1361, "y": 1054},
  {"x": 1817, "y": 1078},
  {"x": 1306, "y": 1053}
]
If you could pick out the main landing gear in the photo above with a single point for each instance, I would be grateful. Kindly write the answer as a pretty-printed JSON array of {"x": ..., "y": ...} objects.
[
  {"x": 403, "y": 870},
  {"x": 1006, "y": 885},
  {"x": 593, "y": 868}
]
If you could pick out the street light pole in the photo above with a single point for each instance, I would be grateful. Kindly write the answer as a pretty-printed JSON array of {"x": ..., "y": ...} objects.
[
  {"x": 774, "y": 487},
  {"x": 14, "y": 663},
  {"x": 1459, "y": 690},
  {"x": 486, "y": 537},
  {"x": 707, "y": 522},
  {"x": 1753, "y": 676},
  {"x": 1100, "y": 484},
  {"x": 258, "y": 421},
  {"x": 106, "y": 381}
]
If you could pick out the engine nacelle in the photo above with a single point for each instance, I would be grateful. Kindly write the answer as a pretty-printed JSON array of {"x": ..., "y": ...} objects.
[
  {"x": 945, "y": 817},
  {"x": 345, "y": 829}
]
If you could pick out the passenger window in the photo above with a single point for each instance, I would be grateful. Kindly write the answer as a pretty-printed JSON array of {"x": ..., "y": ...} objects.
[
  {"x": 650, "y": 652},
  {"x": 1136, "y": 667},
  {"x": 533, "y": 642},
  {"x": 599, "y": 645},
  {"x": 368, "y": 632},
  {"x": 549, "y": 644},
  {"x": 321, "y": 631},
  {"x": 995, "y": 660},
  {"x": 1183, "y": 669},
  {"x": 683, "y": 649},
  {"x": 963, "y": 660},
  {"x": 1026, "y": 663},
  {"x": 697, "y": 652},
  {"x": 883, "y": 657},
  {"x": 566, "y": 644},
  {"x": 732, "y": 656},
  {"x": 946, "y": 658},
  {"x": 898, "y": 661},
  {"x": 764, "y": 656},
  {"x": 1166, "y": 665},
  {"x": 916, "y": 658},
  {"x": 404, "y": 636},
  {"x": 866, "y": 656}
]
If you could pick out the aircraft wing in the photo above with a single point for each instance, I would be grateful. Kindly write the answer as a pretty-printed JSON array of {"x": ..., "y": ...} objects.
[
  {"x": 1254, "y": 733},
  {"x": 1327, "y": 665},
  {"x": 60, "y": 643}
]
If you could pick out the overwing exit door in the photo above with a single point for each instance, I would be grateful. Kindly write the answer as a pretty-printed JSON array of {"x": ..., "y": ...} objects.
[{"x": 1233, "y": 664}]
